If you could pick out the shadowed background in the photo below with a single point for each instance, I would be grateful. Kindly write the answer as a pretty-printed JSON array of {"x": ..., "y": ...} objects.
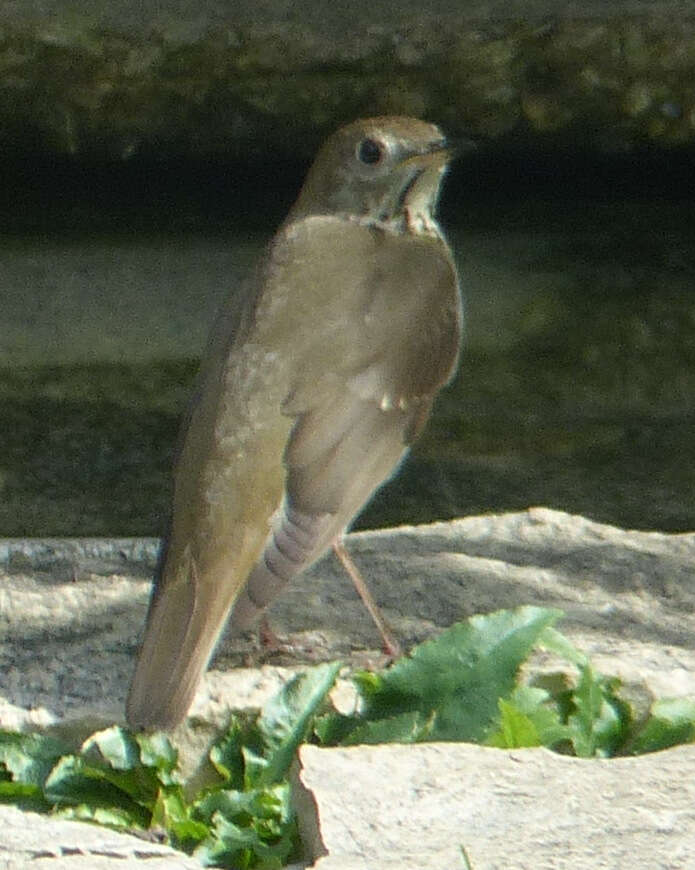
[{"x": 144, "y": 169}]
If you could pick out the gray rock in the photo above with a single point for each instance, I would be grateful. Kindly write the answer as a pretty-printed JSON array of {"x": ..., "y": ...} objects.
[
  {"x": 31, "y": 840},
  {"x": 69, "y": 633},
  {"x": 418, "y": 807},
  {"x": 174, "y": 78}
]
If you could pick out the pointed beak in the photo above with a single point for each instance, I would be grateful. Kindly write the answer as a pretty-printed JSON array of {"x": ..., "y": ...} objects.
[
  {"x": 447, "y": 148},
  {"x": 457, "y": 147}
]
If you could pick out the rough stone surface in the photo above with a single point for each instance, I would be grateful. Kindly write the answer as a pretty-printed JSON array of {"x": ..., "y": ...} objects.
[
  {"x": 69, "y": 628},
  {"x": 70, "y": 632},
  {"x": 45, "y": 843},
  {"x": 153, "y": 78},
  {"x": 416, "y": 807}
]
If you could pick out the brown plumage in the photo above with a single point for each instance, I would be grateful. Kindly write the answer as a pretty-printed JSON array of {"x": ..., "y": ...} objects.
[{"x": 308, "y": 397}]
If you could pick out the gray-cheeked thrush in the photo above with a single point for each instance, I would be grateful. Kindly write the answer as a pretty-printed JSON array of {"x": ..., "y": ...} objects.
[{"x": 307, "y": 399}]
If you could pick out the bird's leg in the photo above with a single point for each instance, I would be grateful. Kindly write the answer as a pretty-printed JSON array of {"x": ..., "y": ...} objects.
[
  {"x": 391, "y": 645},
  {"x": 270, "y": 642}
]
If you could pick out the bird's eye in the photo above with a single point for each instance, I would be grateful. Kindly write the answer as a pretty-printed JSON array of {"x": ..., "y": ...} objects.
[{"x": 370, "y": 151}]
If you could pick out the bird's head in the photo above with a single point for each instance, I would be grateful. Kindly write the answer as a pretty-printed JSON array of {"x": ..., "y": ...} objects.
[{"x": 379, "y": 170}]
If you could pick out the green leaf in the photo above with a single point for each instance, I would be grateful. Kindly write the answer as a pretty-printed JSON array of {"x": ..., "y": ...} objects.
[
  {"x": 671, "y": 722},
  {"x": 529, "y": 714},
  {"x": 156, "y": 750},
  {"x": 174, "y": 815},
  {"x": 74, "y": 781},
  {"x": 269, "y": 803},
  {"x": 554, "y": 641},
  {"x": 256, "y": 768},
  {"x": 29, "y": 758},
  {"x": 460, "y": 675},
  {"x": 285, "y": 721},
  {"x": 410, "y": 727},
  {"x": 231, "y": 845},
  {"x": 119, "y": 756},
  {"x": 332, "y": 729},
  {"x": 516, "y": 729},
  {"x": 458, "y": 686},
  {"x": 466, "y": 860},
  {"x": 597, "y": 726},
  {"x": 112, "y": 817},
  {"x": 116, "y": 746},
  {"x": 226, "y": 756},
  {"x": 24, "y": 795}
]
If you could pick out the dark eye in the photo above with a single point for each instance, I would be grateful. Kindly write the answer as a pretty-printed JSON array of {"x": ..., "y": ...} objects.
[{"x": 370, "y": 151}]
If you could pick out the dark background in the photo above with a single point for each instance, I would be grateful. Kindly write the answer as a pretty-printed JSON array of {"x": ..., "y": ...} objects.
[{"x": 580, "y": 396}]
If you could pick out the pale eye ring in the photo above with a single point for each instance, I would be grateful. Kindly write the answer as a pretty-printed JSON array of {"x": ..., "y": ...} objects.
[{"x": 370, "y": 151}]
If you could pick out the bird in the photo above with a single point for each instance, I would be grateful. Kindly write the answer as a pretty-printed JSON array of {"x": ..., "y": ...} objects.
[{"x": 308, "y": 397}]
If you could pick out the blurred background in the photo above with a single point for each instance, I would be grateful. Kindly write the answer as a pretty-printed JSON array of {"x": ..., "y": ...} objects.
[{"x": 149, "y": 151}]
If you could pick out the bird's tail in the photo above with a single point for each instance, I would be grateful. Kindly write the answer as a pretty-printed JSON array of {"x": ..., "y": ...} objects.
[{"x": 184, "y": 622}]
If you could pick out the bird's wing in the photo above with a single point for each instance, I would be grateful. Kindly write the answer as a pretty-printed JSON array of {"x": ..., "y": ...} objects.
[
  {"x": 228, "y": 481},
  {"x": 360, "y": 396},
  {"x": 302, "y": 411}
]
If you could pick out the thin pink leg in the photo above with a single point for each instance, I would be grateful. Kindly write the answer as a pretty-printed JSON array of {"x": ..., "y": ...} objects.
[{"x": 391, "y": 645}]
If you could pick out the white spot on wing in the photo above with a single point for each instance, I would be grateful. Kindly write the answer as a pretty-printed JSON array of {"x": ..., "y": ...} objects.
[{"x": 366, "y": 384}]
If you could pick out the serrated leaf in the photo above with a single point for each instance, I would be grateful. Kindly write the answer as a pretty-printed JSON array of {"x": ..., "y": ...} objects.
[
  {"x": 140, "y": 784},
  {"x": 460, "y": 675},
  {"x": 332, "y": 728},
  {"x": 230, "y": 845},
  {"x": 272, "y": 802},
  {"x": 538, "y": 707}
]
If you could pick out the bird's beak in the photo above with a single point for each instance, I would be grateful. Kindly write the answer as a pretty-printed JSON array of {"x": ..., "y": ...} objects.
[
  {"x": 457, "y": 147},
  {"x": 443, "y": 151}
]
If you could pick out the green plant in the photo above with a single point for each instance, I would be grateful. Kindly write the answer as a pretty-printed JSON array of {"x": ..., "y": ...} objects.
[
  {"x": 131, "y": 781},
  {"x": 463, "y": 685}
]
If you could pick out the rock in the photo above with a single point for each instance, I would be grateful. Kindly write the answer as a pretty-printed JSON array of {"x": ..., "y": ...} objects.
[
  {"x": 70, "y": 632},
  {"x": 70, "y": 629},
  {"x": 419, "y": 806},
  {"x": 29, "y": 839},
  {"x": 143, "y": 79}
]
